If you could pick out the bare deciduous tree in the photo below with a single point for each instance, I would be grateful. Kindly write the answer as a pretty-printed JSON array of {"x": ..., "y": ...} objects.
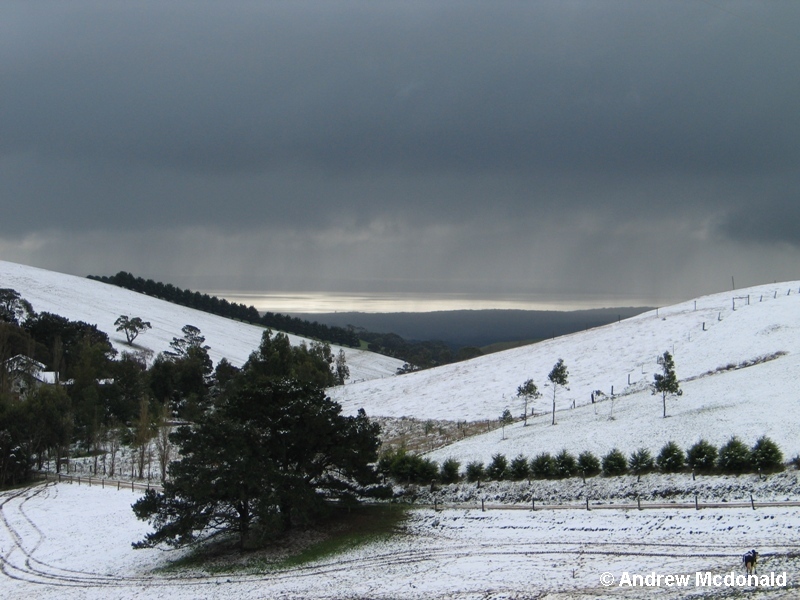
[
  {"x": 162, "y": 442},
  {"x": 114, "y": 441},
  {"x": 142, "y": 434}
]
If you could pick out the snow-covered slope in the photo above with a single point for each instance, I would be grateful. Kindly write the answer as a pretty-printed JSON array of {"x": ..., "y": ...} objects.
[
  {"x": 707, "y": 337},
  {"x": 100, "y": 304},
  {"x": 70, "y": 542},
  {"x": 737, "y": 355}
]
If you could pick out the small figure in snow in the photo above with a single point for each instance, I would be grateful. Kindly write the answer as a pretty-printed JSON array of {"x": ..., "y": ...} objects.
[{"x": 750, "y": 559}]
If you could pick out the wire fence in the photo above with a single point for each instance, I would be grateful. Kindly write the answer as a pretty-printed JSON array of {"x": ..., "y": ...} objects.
[
  {"x": 482, "y": 505},
  {"x": 101, "y": 482},
  {"x": 587, "y": 505}
]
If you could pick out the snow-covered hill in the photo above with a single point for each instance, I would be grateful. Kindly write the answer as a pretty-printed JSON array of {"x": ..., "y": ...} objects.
[
  {"x": 100, "y": 304},
  {"x": 737, "y": 355},
  {"x": 739, "y": 370},
  {"x": 70, "y": 542}
]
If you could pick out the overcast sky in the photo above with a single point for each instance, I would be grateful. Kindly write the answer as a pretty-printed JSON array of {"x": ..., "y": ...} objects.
[{"x": 647, "y": 151}]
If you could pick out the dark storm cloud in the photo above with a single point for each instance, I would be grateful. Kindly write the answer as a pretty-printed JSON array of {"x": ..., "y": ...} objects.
[
  {"x": 370, "y": 119},
  {"x": 774, "y": 221},
  {"x": 350, "y": 86}
]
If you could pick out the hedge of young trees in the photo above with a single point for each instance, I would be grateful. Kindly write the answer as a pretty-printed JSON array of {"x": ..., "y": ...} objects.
[{"x": 733, "y": 457}]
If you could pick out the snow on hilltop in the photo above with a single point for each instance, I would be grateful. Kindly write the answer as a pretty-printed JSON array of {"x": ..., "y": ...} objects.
[
  {"x": 100, "y": 304},
  {"x": 737, "y": 355}
]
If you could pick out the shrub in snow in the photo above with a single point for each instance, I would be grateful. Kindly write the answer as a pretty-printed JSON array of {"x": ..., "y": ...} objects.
[
  {"x": 671, "y": 459},
  {"x": 702, "y": 457},
  {"x": 615, "y": 463},
  {"x": 641, "y": 462},
  {"x": 498, "y": 468},
  {"x": 519, "y": 469},
  {"x": 565, "y": 464},
  {"x": 734, "y": 457},
  {"x": 405, "y": 467},
  {"x": 543, "y": 466},
  {"x": 766, "y": 456},
  {"x": 426, "y": 470},
  {"x": 475, "y": 471},
  {"x": 449, "y": 471},
  {"x": 588, "y": 464}
]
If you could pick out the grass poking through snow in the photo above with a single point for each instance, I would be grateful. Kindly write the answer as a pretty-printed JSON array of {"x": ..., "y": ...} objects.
[{"x": 343, "y": 530}]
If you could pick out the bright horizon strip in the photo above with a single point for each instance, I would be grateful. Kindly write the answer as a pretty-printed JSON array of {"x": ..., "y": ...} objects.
[{"x": 331, "y": 302}]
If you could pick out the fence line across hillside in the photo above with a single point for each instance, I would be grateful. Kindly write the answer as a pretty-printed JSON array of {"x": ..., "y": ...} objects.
[
  {"x": 474, "y": 505},
  {"x": 99, "y": 482},
  {"x": 588, "y": 506}
]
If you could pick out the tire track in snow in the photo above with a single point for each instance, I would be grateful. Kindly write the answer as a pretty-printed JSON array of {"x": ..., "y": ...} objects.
[{"x": 39, "y": 572}]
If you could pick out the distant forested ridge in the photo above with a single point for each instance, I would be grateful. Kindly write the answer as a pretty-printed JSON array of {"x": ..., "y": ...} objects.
[
  {"x": 417, "y": 354},
  {"x": 421, "y": 340},
  {"x": 475, "y": 328},
  {"x": 232, "y": 310}
]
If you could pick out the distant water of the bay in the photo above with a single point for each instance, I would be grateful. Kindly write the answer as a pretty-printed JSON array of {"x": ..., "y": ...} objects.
[{"x": 332, "y": 302}]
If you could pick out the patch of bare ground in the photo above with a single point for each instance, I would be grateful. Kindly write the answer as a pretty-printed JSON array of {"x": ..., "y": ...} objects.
[
  {"x": 742, "y": 365},
  {"x": 425, "y": 435}
]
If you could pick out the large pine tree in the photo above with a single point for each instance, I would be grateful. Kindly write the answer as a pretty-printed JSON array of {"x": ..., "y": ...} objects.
[{"x": 272, "y": 452}]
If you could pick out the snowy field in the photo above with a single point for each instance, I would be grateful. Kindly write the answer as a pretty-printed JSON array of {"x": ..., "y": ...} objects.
[
  {"x": 712, "y": 344},
  {"x": 737, "y": 356},
  {"x": 69, "y": 542},
  {"x": 100, "y": 304}
]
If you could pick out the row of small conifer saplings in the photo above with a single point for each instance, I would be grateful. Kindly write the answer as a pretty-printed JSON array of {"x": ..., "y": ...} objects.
[{"x": 733, "y": 457}]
